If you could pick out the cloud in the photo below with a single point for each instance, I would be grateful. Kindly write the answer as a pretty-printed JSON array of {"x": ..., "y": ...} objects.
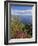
[{"x": 21, "y": 12}]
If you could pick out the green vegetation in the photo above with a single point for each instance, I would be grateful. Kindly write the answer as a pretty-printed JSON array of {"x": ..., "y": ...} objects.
[{"x": 20, "y": 30}]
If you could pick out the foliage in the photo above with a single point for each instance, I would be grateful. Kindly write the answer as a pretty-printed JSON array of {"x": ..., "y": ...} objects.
[{"x": 17, "y": 25}]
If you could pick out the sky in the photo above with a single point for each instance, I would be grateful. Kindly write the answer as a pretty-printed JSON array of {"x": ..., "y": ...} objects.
[{"x": 21, "y": 10}]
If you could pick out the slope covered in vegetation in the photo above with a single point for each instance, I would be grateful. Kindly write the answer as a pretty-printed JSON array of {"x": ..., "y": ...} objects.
[{"x": 20, "y": 29}]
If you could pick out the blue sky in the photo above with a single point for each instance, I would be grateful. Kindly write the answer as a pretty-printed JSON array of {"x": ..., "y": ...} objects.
[
  {"x": 21, "y": 7},
  {"x": 14, "y": 7}
]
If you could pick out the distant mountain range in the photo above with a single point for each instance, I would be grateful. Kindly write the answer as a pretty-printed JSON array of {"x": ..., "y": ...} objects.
[{"x": 24, "y": 19}]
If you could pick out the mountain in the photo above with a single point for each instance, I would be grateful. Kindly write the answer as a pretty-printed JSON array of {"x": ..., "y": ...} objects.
[{"x": 24, "y": 18}]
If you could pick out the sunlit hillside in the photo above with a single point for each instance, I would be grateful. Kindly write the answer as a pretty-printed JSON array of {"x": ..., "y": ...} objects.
[{"x": 21, "y": 26}]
